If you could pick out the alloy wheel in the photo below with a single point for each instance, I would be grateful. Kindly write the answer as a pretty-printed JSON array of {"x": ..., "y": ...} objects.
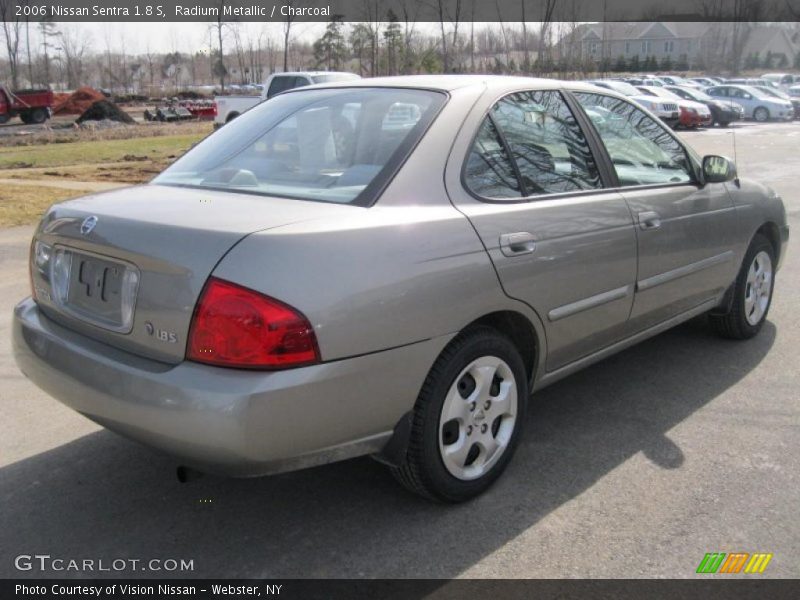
[
  {"x": 478, "y": 418},
  {"x": 758, "y": 288}
]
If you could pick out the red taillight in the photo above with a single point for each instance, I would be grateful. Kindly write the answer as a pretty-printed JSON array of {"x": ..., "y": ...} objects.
[
  {"x": 237, "y": 327},
  {"x": 214, "y": 108}
]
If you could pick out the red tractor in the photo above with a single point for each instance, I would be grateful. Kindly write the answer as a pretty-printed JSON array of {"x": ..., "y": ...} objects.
[{"x": 32, "y": 106}]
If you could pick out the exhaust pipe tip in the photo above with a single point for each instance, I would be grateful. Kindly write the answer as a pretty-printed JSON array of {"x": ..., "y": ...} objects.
[{"x": 187, "y": 474}]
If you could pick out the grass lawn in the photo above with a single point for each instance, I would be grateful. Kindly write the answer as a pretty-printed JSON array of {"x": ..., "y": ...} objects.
[
  {"x": 21, "y": 204},
  {"x": 97, "y": 151},
  {"x": 128, "y": 160}
]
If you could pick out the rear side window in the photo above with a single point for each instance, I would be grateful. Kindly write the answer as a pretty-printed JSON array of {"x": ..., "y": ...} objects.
[
  {"x": 283, "y": 83},
  {"x": 530, "y": 145},
  {"x": 489, "y": 172},
  {"x": 642, "y": 150}
]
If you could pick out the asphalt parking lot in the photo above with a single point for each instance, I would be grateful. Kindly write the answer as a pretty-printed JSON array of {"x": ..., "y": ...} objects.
[{"x": 635, "y": 467}]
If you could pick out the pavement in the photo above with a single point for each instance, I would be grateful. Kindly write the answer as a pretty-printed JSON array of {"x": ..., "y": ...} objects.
[{"x": 635, "y": 467}]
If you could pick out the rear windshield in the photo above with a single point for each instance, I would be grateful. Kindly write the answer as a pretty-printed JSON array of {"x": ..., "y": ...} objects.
[
  {"x": 332, "y": 145},
  {"x": 329, "y": 77}
]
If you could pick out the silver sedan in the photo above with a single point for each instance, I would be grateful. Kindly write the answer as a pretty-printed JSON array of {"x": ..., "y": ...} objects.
[{"x": 388, "y": 267}]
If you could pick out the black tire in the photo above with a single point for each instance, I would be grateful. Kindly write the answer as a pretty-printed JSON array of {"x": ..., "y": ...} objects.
[
  {"x": 724, "y": 123},
  {"x": 38, "y": 115},
  {"x": 422, "y": 470},
  {"x": 735, "y": 325},
  {"x": 4, "y": 118},
  {"x": 25, "y": 118}
]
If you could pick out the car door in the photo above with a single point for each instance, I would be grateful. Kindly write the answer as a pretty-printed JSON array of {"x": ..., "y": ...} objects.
[
  {"x": 559, "y": 240},
  {"x": 745, "y": 99},
  {"x": 686, "y": 231}
]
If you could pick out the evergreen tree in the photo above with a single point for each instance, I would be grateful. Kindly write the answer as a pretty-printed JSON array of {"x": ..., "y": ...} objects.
[
  {"x": 620, "y": 66},
  {"x": 666, "y": 63},
  {"x": 393, "y": 36},
  {"x": 634, "y": 65},
  {"x": 683, "y": 63},
  {"x": 330, "y": 51}
]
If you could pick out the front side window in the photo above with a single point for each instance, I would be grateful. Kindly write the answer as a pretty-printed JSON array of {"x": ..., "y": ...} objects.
[
  {"x": 642, "y": 150},
  {"x": 325, "y": 144},
  {"x": 548, "y": 151}
]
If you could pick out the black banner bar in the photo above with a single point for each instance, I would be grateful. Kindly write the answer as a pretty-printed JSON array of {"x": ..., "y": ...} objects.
[
  {"x": 447, "y": 11},
  {"x": 384, "y": 589}
]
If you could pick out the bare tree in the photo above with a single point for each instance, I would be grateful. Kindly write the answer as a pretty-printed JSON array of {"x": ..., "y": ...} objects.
[
  {"x": 287, "y": 27},
  {"x": 453, "y": 18},
  {"x": 409, "y": 10},
  {"x": 545, "y": 45},
  {"x": 74, "y": 44},
  {"x": 218, "y": 66},
  {"x": 11, "y": 33}
]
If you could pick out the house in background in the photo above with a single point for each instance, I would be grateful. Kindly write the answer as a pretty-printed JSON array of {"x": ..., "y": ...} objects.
[{"x": 689, "y": 44}]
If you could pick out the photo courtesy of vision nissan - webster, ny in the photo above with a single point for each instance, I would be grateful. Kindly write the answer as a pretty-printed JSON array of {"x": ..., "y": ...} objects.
[{"x": 388, "y": 267}]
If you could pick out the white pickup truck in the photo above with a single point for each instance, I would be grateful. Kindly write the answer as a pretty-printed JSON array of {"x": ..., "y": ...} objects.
[{"x": 230, "y": 107}]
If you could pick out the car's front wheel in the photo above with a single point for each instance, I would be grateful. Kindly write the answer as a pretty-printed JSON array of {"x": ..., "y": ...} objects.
[
  {"x": 761, "y": 114},
  {"x": 467, "y": 419},
  {"x": 752, "y": 293}
]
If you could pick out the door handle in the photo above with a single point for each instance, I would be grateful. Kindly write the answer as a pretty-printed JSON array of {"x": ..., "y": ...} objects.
[
  {"x": 649, "y": 220},
  {"x": 515, "y": 244}
]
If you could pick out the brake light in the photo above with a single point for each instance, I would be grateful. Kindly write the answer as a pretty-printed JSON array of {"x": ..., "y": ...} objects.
[
  {"x": 214, "y": 108},
  {"x": 234, "y": 326}
]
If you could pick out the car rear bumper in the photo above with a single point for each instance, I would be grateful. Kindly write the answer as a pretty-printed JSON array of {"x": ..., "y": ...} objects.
[{"x": 234, "y": 422}]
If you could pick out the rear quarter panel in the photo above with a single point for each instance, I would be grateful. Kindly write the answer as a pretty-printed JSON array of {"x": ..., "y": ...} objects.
[{"x": 409, "y": 268}]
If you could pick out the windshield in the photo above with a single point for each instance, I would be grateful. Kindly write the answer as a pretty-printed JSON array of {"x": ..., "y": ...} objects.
[
  {"x": 755, "y": 92},
  {"x": 623, "y": 88},
  {"x": 696, "y": 95},
  {"x": 325, "y": 144},
  {"x": 661, "y": 92}
]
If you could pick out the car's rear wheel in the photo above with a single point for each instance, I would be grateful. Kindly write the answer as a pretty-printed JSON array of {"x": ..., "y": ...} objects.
[
  {"x": 38, "y": 115},
  {"x": 467, "y": 419},
  {"x": 761, "y": 114},
  {"x": 724, "y": 123},
  {"x": 752, "y": 293}
]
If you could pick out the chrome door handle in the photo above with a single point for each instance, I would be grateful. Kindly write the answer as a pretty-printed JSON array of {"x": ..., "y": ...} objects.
[
  {"x": 515, "y": 244},
  {"x": 649, "y": 220}
]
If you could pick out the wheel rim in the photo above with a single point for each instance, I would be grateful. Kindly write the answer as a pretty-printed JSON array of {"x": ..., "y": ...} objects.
[
  {"x": 761, "y": 114},
  {"x": 478, "y": 418},
  {"x": 758, "y": 289}
]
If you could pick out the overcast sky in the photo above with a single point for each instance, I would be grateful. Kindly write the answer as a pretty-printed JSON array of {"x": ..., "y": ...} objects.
[{"x": 190, "y": 37}]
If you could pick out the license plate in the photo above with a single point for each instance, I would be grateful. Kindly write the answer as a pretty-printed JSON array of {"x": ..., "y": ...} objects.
[{"x": 102, "y": 291}]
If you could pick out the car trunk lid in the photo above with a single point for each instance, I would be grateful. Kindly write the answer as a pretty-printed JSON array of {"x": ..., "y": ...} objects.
[{"x": 134, "y": 261}]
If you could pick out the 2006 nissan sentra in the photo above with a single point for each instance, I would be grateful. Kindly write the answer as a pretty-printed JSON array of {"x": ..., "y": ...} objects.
[{"x": 388, "y": 267}]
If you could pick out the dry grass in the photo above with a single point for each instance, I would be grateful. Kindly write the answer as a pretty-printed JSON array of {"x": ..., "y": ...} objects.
[{"x": 21, "y": 204}]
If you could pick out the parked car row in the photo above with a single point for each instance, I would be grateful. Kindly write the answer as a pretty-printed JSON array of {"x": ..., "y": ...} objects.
[{"x": 708, "y": 101}]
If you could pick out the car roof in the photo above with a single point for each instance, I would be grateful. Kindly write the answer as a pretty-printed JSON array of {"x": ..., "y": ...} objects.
[
  {"x": 295, "y": 73},
  {"x": 448, "y": 83}
]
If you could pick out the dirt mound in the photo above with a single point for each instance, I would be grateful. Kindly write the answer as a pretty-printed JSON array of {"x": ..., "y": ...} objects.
[
  {"x": 103, "y": 110},
  {"x": 77, "y": 102}
]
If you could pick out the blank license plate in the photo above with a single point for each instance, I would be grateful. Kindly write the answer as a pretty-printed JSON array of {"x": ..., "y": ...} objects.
[{"x": 95, "y": 288}]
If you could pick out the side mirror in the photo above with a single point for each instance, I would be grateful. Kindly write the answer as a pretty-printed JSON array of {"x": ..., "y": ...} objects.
[{"x": 718, "y": 169}]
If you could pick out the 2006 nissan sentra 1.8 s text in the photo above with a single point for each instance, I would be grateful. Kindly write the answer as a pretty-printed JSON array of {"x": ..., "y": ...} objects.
[{"x": 388, "y": 267}]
